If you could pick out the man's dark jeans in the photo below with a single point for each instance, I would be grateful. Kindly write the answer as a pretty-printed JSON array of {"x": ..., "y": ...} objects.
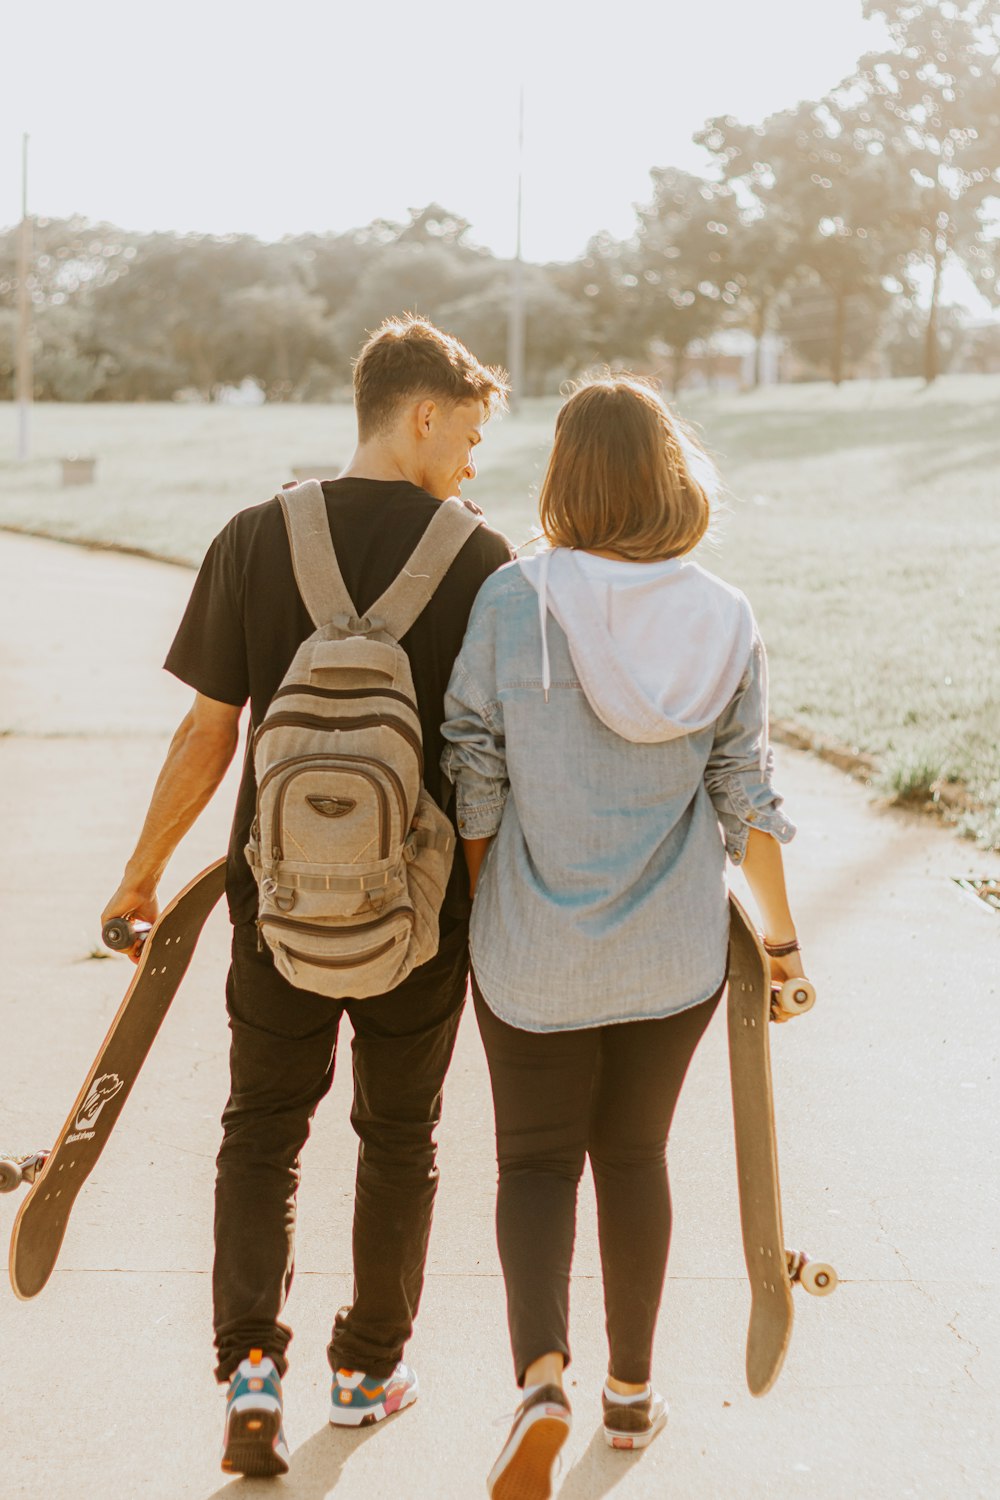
[{"x": 282, "y": 1056}]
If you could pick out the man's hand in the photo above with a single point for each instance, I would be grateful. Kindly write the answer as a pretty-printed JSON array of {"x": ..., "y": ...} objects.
[{"x": 138, "y": 905}]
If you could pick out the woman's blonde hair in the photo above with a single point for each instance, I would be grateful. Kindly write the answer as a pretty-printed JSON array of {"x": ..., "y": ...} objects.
[{"x": 620, "y": 477}]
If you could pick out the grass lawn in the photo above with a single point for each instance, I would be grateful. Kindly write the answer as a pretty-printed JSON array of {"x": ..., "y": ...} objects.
[{"x": 864, "y": 523}]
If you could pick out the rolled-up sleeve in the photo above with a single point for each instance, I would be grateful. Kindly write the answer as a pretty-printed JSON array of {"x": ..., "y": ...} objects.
[
  {"x": 475, "y": 753},
  {"x": 740, "y": 766}
]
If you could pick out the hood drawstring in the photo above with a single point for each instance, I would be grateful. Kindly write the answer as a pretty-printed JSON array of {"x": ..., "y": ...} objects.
[{"x": 543, "y": 616}]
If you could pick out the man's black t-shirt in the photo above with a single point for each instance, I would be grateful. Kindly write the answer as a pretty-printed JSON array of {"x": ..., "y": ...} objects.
[{"x": 245, "y": 620}]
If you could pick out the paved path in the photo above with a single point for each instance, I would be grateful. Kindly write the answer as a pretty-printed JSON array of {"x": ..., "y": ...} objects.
[{"x": 886, "y": 1098}]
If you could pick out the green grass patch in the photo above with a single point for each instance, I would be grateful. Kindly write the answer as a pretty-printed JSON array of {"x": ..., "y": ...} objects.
[
  {"x": 911, "y": 779},
  {"x": 864, "y": 523}
]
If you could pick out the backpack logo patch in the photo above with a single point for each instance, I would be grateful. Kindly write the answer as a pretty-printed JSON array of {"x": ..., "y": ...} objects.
[{"x": 333, "y": 807}]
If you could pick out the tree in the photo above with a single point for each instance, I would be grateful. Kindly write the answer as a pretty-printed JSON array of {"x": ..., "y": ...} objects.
[
  {"x": 930, "y": 106},
  {"x": 682, "y": 263},
  {"x": 905, "y": 337},
  {"x": 71, "y": 257},
  {"x": 767, "y": 248},
  {"x": 820, "y": 200},
  {"x": 278, "y": 335},
  {"x": 811, "y": 319},
  {"x": 604, "y": 288},
  {"x": 164, "y": 325},
  {"x": 408, "y": 277},
  {"x": 554, "y": 347}
]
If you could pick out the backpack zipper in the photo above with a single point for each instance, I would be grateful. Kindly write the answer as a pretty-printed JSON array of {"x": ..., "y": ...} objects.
[
  {"x": 342, "y": 963},
  {"x": 369, "y": 721},
  {"x": 319, "y": 931},
  {"x": 321, "y": 692}
]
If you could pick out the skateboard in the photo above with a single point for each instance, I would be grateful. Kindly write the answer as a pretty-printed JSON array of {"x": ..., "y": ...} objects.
[
  {"x": 771, "y": 1268},
  {"x": 55, "y": 1177}
]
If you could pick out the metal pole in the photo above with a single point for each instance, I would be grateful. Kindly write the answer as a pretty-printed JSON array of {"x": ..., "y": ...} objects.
[
  {"x": 515, "y": 320},
  {"x": 25, "y": 372}
]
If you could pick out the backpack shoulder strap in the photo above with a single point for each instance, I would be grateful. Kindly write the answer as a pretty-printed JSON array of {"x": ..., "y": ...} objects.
[
  {"x": 406, "y": 597},
  {"x": 314, "y": 561}
]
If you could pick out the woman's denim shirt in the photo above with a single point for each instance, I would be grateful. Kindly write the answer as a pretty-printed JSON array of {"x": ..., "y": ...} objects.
[{"x": 602, "y": 897}]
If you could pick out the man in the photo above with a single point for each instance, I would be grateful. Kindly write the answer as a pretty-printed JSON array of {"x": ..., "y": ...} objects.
[{"x": 421, "y": 401}]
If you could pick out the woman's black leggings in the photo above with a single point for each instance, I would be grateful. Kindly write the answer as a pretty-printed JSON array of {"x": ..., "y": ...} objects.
[{"x": 608, "y": 1092}]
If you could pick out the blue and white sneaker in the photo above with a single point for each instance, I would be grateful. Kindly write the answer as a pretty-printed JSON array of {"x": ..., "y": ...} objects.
[
  {"x": 255, "y": 1440},
  {"x": 358, "y": 1400}
]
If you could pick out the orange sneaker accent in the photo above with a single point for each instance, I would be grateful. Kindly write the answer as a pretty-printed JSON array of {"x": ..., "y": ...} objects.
[
  {"x": 348, "y": 1373},
  {"x": 256, "y": 1355},
  {"x": 345, "y": 1397},
  {"x": 256, "y": 1385}
]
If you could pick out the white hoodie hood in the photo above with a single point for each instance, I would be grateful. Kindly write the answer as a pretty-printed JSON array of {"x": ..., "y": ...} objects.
[{"x": 659, "y": 648}]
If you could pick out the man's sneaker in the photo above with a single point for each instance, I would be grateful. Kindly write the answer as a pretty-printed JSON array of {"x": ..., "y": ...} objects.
[
  {"x": 541, "y": 1426},
  {"x": 255, "y": 1442},
  {"x": 632, "y": 1421},
  {"x": 358, "y": 1400}
]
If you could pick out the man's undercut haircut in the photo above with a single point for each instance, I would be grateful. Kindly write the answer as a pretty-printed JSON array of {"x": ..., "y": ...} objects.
[
  {"x": 624, "y": 475},
  {"x": 409, "y": 359}
]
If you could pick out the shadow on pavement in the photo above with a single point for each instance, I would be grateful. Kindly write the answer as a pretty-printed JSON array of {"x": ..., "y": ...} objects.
[
  {"x": 314, "y": 1471},
  {"x": 597, "y": 1472}
]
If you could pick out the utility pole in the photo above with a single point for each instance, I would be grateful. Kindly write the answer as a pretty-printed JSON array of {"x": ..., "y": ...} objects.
[
  {"x": 515, "y": 317},
  {"x": 25, "y": 371}
]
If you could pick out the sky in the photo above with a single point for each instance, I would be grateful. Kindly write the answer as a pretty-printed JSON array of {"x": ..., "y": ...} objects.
[{"x": 275, "y": 119}]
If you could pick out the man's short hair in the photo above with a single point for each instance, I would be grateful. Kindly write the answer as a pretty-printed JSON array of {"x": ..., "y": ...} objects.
[{"x": 408, "y": 358}]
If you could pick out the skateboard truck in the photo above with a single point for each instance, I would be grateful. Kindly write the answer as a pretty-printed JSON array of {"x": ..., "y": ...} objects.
[
  {"x": 813, "y": 1276},
  {"x": 17, "y": 1169},
  {"x": 793, "y": 998},
  {"x": 121, "y": 934}
]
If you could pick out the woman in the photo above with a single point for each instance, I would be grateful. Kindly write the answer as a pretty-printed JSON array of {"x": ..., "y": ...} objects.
[{"x": 607, "y": 737}]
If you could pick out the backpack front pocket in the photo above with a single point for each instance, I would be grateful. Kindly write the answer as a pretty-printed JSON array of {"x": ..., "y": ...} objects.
[
  {"x": 342, "y": 960},
  {"x": 330, "y": 809}
]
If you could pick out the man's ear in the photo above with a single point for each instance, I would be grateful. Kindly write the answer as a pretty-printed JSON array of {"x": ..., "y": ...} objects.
[{"x": 425, "y": 414}]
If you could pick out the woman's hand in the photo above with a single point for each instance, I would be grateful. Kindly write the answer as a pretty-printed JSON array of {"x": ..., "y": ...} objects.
[
  {"x": 787, "y": 967},
  {"x": 475, "y": 853}
]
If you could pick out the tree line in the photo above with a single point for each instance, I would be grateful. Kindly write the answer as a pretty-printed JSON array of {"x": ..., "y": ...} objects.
[{"x": 830, "y": 223}]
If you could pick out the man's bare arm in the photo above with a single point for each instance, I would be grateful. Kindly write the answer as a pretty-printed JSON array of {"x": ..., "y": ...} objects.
[{"x": 196, "y": 762}]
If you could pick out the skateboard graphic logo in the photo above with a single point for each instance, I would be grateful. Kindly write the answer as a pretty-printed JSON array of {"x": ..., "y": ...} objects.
[{"x": 100, "y": 1091}]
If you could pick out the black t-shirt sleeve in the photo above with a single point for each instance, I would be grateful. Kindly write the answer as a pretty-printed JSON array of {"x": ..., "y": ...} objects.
[
  {"x": 209, "y": 652},
  {"x": 491, "y": 550}
]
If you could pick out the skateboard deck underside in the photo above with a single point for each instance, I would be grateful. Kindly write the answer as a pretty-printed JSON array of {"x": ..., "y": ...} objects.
[
  {"x": 41, "y": 1223},
  {"x": 749, "y": 1003}
]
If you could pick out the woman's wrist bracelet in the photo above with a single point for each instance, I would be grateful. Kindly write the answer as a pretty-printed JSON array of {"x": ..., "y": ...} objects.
[{"x": 780, "y": 950}]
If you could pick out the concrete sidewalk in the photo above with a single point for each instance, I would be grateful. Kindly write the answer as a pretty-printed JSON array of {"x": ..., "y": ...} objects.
[{"x": 886, "y": 1105}]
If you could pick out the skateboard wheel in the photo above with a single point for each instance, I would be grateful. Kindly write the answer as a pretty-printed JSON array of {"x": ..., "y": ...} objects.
[
  {"x": 818, "y": 1279},
  {"x": 794, "y": 997},
  {"x": 10, "y": 1175},
  {"x": 120, "y": 934}
]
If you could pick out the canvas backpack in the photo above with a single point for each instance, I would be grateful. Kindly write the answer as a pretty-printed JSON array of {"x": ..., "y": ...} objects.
[{"x": 350, "y": 853}]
